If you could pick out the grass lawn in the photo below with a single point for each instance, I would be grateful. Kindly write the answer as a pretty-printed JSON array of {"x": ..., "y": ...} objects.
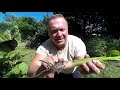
[
  {"x": 28, "y": 54},
  {"x": 112, "y": 69}
]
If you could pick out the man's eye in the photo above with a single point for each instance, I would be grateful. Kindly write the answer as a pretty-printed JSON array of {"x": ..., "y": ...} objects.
[
  {"x": 54, "y": 31},
  {"x": 62, "y": 29}
]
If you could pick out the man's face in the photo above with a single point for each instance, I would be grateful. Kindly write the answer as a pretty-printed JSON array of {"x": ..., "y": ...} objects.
[{"x": 58, "y": 31}]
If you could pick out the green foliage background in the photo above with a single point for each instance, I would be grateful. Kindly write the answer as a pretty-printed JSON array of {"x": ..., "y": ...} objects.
[{"x": 16, "y": 57}]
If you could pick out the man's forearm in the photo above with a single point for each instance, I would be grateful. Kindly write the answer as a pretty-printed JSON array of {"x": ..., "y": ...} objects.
[{"x": 32, "y": 70}]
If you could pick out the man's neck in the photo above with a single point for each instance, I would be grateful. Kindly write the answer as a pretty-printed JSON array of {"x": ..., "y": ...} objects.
[{"x": 60, "y": 48}]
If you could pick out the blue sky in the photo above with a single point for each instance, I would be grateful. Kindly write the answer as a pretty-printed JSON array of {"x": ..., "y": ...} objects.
[{"x": 37, "y": 15}]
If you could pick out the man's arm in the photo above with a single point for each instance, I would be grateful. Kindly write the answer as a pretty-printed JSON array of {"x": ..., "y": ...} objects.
[
  {"x": 38, "y": 68},
  {"x": 35, "y": 64}
]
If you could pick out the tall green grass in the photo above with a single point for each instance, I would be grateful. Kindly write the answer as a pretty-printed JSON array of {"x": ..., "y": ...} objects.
[{"x": 99, "y": 45}]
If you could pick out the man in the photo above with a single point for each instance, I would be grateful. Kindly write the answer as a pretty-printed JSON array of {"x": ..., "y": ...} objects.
[{"x": 61, "y": 46}]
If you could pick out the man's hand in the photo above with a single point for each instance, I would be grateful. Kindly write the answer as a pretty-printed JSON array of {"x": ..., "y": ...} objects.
[
  {"x": 50, "y": 60},
  {"x": 91, "y": 67},
  {"x": 43, "y": 71}
]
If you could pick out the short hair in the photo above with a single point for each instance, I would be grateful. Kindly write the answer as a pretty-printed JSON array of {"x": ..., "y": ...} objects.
[{"x": 55, "y": 16}]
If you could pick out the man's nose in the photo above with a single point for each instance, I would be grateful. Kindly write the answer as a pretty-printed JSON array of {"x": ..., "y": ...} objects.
[{"x": 59, "y": 33}]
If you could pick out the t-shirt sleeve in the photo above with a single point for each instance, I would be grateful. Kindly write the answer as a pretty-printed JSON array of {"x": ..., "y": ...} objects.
[
  {"x": 43, "y": 48},
  {"x": 80, "y": 48}
]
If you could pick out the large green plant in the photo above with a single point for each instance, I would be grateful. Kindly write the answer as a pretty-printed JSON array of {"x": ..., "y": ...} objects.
[
  {"x": 8, "y": 31},
  {"x": 5, "y": 36},
  {"x": 15, "y": 63}
]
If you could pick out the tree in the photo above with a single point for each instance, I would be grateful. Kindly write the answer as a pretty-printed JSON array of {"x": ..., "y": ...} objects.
[
  {"x": 27, "y": 26},
  {"x": 89, "y": 22},
  {"x": 4, "y": 12},
  {"x": 41, "y": 34}
]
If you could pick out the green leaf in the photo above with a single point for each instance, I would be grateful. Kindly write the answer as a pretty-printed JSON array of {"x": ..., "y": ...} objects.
[
  {"x": 113, "y": 53},
  {"x": 15, "y": 70},
  {"x": 13, "y": 55},
  {"x": 5, "y": 36},
  {"x": 23, "y": 68}
]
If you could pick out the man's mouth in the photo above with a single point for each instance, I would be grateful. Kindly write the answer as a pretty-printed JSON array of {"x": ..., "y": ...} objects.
[{"x": 59, "y": 40}]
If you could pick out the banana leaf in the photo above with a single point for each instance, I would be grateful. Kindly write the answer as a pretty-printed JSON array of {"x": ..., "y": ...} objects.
[{"x": 5, "y": 35}]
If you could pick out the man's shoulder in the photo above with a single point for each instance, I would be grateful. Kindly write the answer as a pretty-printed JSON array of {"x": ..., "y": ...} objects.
[
  {"x": 46, "y": 43},
  {"x": 72, "y": 37},
  {"x": 74, "y": 40}
]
